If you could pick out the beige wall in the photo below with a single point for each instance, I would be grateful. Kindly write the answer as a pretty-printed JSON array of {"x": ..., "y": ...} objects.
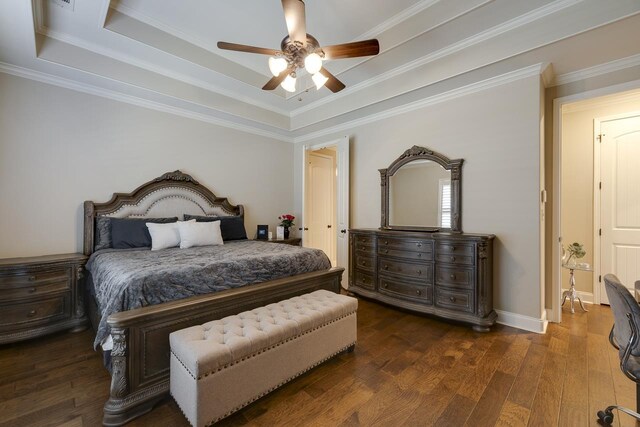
[
  {"x": 497, "y": 133},
  {"x": 578, "y": 176},
  {"x": 59, "y": 147}
]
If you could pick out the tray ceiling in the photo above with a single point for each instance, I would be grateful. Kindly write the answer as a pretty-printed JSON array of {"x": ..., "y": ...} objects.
[{"x": 163, "y": 55}]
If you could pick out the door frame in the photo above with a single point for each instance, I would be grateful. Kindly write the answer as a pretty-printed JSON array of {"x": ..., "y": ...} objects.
[
  {"x": 597, "y": 201},
  {"x": 554, "y": 314},
  {"x": 342, "y": 197}
]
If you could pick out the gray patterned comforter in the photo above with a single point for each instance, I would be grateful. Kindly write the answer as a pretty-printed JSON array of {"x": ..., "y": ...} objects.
[{"x": 130, "y": 278}]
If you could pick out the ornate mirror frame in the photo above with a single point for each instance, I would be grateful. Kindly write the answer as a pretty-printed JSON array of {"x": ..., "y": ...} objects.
[{"x": 422, "y": 153}]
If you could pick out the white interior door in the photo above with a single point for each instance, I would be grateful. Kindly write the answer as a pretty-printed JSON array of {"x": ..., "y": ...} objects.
[
  {"x": 320, "y": 209},
  {"x": 620, "y": 200}
]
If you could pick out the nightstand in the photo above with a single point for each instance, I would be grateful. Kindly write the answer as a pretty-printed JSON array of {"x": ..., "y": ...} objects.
[
  {"x": 293, "y": 241},
  {"x": 41, "y": 295}
]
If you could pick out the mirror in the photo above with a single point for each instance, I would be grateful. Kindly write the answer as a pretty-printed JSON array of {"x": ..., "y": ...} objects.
[{"x": 421, "y": 191}]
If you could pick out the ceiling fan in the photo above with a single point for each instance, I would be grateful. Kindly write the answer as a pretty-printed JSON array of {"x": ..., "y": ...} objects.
[{"x": 302, "y": 50}]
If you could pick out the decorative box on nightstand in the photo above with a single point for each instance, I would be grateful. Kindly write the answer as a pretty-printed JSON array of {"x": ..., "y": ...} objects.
[{"x": 40, "y": 295}]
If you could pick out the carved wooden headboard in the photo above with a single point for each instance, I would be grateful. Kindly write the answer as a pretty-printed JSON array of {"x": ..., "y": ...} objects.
[{"x": 172, "y": 194}]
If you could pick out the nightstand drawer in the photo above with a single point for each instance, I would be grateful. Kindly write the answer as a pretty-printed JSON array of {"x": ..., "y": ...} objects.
[
  {"x": 34, "y": 277},
  {"x": 417, "y": 271},
  {"x": 49, "y": 308},
  {"x": 454, "y": 299},
  {"x": 35, "y": 290},
  {"x": 454, "y": 277}
]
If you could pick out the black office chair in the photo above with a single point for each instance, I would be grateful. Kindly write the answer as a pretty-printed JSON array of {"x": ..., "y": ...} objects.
[{"x": 624, "y": 336}]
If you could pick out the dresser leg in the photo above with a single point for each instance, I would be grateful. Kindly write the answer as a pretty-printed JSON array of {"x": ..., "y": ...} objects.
[{"x": 479, "y": 328}]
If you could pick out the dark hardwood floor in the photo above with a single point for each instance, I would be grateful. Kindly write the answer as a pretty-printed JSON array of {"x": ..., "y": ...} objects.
[{"x": 407, "y": 370}]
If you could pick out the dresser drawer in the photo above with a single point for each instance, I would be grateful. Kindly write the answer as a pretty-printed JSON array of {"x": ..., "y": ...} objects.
[
  {"x": 34, "y": 311},
  {"x": 421, "y": 272},
  {"x": 34, "y": 291},
  {"x": 454, "y": 276},
  {"x": 400, "y": 253},
  {"x": 454, "y": 299},
  {"x": 415, "y": 245},
  {"x": 365, "y": 262},
  {"x": 359, "y": 239},
  {"x": 454, "y": 259},
  {"x": 35, "y": 277},
  {"x": 363, "y": 280},
  {"x": 407, "y": 290},
  {"x": 453, "y": 248}
]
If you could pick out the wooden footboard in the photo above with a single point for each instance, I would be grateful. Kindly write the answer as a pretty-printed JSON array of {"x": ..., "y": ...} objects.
[{"x": 140, "y": 355}]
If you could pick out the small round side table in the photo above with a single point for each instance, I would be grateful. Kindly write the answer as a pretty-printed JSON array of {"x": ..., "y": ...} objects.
[{"x": 571, "y": 293}]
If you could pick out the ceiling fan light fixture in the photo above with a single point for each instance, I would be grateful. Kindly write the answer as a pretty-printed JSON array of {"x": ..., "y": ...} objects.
[
  {"x": 277, "y": 65},
  {"x": 319, "y": 79},
  {"x": 289, "y": 84},
  {"x": 313, "y": 63}
]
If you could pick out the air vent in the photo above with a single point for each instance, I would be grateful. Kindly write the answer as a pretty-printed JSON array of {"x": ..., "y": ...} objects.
[{"x": 65, "y": 4}]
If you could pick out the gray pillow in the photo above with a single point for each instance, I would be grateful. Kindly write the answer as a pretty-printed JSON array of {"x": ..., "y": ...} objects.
[{"x": 102, "y": 233}]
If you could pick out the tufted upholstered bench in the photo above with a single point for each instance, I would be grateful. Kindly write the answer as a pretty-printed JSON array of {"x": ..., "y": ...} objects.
[{"x": 221, "y": 366}]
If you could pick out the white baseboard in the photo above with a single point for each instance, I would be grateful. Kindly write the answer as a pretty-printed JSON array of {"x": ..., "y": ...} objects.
[
  {"x": 520, "y": 321},
  {"x": 586, "y": 297}
]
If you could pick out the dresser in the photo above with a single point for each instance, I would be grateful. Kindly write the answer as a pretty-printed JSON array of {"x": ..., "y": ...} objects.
[
  {"x": 445, "y": 274},
  {"x": 40, "y": 295}
]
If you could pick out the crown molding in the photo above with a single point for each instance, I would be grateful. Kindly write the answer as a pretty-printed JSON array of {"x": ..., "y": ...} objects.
[
  {"x": 110, "y": 53},
  {"x": 597, "y": 70},
  {"x": 134, "y": 100},
  {"x": 493, "y": 32},
  {"x": 397, "y": 19},
  {"x": 533, "y": 70}
]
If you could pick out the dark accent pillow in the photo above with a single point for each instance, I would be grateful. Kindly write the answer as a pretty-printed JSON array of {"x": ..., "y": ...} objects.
[
  {"x": 102, "y": 234},
  {"x": 132, "y": 232},
  {"x": 232, "y": 227}
]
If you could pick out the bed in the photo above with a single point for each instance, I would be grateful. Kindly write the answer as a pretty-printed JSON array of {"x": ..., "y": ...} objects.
[{"x": 139, "y": 323}]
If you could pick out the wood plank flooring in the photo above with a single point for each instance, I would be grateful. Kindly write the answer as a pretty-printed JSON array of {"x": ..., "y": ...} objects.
[{"x": 407, "y": 370}]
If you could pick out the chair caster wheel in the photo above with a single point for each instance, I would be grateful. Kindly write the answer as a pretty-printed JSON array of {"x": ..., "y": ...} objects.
[{"x": 605, "y": 416}]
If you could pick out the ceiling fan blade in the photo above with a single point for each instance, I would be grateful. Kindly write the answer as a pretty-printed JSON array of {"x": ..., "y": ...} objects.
[
  {"x": 333, "y": 84},
  {"x": 275, "y": 81},
  {"x": 352, "y": 50},
  {"x": 248, "y": 49},
  {"x": 296, "y": 21}
]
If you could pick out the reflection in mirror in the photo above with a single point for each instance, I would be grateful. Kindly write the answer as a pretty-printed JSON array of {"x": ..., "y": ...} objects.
[{"x": 420, "y": 195}]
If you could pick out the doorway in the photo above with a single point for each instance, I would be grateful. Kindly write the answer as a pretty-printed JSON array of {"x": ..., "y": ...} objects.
[
  {"x": 591, "y": 192},
  {"x": 325, "y": 209}
]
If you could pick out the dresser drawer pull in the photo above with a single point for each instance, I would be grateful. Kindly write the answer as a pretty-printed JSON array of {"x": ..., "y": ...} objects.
[
  {"x": 453, "y": 248},
  {"x": 386, "y": 242},
  {"x": 419, "y": 271},
  {"x": 418, "y": 292},
  {"x": 419, "y": 254},
  {"x": 386, "y": 251},
  {"x": 419, "y": 245},
  {"x": 453, "y": 258},
  {"x": 386, "y": 267},
  {"x": 363, "y": 240},
  {"x": 452, "y": 277},
  {"x": 452, "y": 299},
  {"x": 386, "y": 285},
  {"x": 31, "y": 313},
  {"x": 32, "y": 290},
  {"x": 32, "y": 278},
  {"x": 363, "y": 263},
  {"x": 364, "y": 280}
]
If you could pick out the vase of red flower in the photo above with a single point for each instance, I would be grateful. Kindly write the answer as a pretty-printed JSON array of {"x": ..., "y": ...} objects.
[{"x": 286, "y": 221}]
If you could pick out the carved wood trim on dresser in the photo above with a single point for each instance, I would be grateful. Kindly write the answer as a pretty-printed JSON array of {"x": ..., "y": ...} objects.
[
  {"x": 445, "y": 274},
  {"x": 41, "y": 295}
]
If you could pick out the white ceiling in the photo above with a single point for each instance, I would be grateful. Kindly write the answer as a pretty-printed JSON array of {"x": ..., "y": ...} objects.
[{"x": 163, "y": 54}]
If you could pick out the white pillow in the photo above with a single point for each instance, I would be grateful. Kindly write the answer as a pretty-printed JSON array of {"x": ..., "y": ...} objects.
[
  {"x": 199, "y": 234},
  {"x": 164, "y": 235}
]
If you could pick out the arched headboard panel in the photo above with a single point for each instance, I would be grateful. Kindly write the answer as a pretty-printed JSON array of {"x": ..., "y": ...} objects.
[{"x": 172, "y": 194}]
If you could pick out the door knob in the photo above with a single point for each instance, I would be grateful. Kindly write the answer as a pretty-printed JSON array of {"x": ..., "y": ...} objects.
[
  {"x": 343, "y": 231},
  {"x": 329, "y": 226},
  {"x": 306, "y": 229}
]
